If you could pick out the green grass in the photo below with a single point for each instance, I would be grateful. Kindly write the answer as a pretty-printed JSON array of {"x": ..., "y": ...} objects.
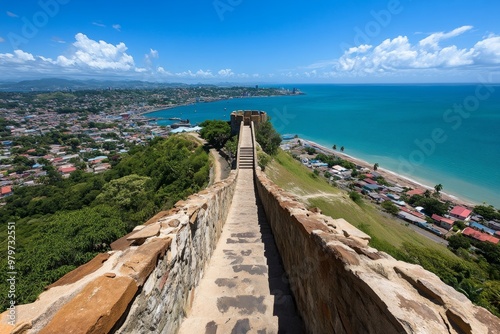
[{"x": 388, "y": 233}]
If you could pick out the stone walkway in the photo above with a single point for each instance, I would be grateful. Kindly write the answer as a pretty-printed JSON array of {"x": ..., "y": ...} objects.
[{"x": 244, "y": 289}]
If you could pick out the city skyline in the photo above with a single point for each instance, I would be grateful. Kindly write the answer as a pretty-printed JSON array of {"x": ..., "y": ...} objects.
[{"x": 236, "y": 41}]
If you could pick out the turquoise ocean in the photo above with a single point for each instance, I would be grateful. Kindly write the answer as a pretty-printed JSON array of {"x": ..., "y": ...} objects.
[{"x": 448, "y": 134}]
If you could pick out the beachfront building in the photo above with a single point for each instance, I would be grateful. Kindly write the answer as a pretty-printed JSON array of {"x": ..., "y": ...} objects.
[
  {"x": 461, "y": 213},
  {"x": 413, "y": 192},
  {"x": 480, "y": 236},
  {"x": 445, "y": 223}
]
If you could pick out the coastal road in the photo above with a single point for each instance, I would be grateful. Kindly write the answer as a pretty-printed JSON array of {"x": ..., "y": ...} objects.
[{"x": 428, "y": 234}]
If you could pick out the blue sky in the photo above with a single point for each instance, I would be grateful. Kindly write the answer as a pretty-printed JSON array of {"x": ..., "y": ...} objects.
[{"x": 322, "y": 41}]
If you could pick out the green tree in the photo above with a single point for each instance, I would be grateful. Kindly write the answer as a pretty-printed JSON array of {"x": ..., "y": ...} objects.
[
  {"x": 460, "y": 224},
  {"x": 215, "y": 132},
  {"x": 268, "y": 138},
  {"x": 488, "y": 212},
  {"x": 458, "y": 241},
  {"x": 390, "y": 207},
  {"x": 342, "y": 149},
  {"x": 310, "y": 150},
  {"x": 355, "y": 196},
  {"x": 375, "y": 166},
  {"x": 334, "y": 147},
  {"x": 432, "y": 205},
  {"x": 263, "y": 160},
  {"x": 437, "y": 189}
]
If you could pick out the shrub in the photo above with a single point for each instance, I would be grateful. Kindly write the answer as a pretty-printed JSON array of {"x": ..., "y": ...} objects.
[{"x": 355, "y": 196}]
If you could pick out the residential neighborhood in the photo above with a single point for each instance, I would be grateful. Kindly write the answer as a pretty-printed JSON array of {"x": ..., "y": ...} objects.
[
  {"x": 67, "y": 131},
  {"x": 440, "y": 217}
]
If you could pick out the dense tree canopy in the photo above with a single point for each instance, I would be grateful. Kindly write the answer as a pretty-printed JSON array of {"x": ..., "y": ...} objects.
[
  {"x": 268, "y": 138},
  {"x": 215, "y": 132},
  {"x": 66, "y": 222}
]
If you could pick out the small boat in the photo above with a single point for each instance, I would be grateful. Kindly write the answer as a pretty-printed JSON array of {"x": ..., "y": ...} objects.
[{"x": 174, "y": 119}]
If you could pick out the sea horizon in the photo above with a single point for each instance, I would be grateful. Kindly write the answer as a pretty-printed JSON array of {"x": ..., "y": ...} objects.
[{"x": 430, "y": 133}]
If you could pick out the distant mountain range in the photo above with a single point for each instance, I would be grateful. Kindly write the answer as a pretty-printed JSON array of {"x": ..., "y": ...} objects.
[{"x": 57, "y": 84}]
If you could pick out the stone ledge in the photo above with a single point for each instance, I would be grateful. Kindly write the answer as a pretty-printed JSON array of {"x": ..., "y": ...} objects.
[
  {"x": 140, "y": 262},
  {"x": 82, "y": 271},
  {"x": 96, "y": 309},
  {"x": 148, "y": 231}
]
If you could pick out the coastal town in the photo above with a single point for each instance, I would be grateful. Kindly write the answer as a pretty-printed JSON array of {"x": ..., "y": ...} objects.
[
  {"x": 54, "y": 134},
  {"x": 441, "y": 216}
]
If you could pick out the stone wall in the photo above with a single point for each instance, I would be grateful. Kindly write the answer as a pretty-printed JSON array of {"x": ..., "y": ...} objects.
[
  {"x": 145, "y": 285},
  {"x": 341, "y": 285}
]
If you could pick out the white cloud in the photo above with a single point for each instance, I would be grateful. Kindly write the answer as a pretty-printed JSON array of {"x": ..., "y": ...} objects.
[
  {"x": 360, "y": 49},
  {"x": 58, "y": 40},
  {"x": 117, "y": 27},
  {"x": 161, "y": 70},
  {"x": 434, "y": 39},
  {"x": 488, "y": 50},
  {"x": 12, "y": 14},
  {"x": 153, "y": 53},
  {"x": 98, "y": 58},
  {"x": 2, "y": 39},
  {"x": 149, "y": 57},
  {"x": 97, "y": 55},
  {"x": 399, "y": 54},
  {"x": 225, "y": 73},
  {"x": 99, "y": 24},
  {"x": 198, "y": 74},
  {"x": 18, "y": 57}
]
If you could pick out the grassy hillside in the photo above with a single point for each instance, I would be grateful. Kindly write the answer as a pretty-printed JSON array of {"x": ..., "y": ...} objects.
[{"x": 388, "y": 233}]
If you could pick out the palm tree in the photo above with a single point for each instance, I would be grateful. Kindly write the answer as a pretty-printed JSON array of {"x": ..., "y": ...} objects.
[
  {"x": 334, "y": 147},
  {"x": 375, "y": 167},
  {"x": 438, "y": 188},
  {"x": 427, "y": 193},
  {"x": 342, "y": 149}
]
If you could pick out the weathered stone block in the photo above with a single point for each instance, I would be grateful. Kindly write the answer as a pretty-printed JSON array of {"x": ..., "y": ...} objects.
[{"x": 94, "y": 310}]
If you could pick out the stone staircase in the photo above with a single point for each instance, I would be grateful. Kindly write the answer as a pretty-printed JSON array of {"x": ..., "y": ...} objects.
[
  {"x": 244, "y": 289},
  {"x": 246, "y": 158}
]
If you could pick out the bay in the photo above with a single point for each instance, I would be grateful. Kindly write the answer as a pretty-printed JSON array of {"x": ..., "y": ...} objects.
[{"x": 448, "y": 134}]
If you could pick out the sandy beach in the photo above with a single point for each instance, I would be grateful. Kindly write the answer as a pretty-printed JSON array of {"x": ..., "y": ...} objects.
[{"x": 389, "y": 175}]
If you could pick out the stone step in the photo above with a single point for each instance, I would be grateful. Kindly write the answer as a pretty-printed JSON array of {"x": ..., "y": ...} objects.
[
  {"x": 245, "y": 288},
  {"x": 233, "y": 306},
  {"x": 242, "y": 325}
]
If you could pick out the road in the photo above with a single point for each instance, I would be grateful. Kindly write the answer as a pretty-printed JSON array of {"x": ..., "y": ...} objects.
[{"x": 428, "y": 234}]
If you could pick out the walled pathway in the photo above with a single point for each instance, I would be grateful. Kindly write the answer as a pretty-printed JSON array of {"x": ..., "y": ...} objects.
[{"x": 244, "y": 289}]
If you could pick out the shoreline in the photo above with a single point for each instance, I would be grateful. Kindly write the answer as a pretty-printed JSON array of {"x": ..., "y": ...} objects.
[
  {"x": 216, "y": 100},
  {"x": 391, "y": 176}
]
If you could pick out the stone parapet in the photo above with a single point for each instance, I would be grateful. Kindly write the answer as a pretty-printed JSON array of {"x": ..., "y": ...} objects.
[
  {"x": 341, "y": 285},
  {"x": 145, "y": 285}
]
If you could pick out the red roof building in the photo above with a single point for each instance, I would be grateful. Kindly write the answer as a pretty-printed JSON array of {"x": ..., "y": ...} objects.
[
  {"x": 370, "y": 181},
  {"x": 472, "y": 233},
  {"x": 415, "y": 192},
  {"x": 460, "y": 212},
  {"x": 5, "y": 191},
  {"x": 67, "y": 170},
  {"x": 443, "y": 222}
]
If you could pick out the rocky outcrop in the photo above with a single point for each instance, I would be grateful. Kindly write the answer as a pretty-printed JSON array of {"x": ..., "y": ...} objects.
[
  {"x": 341, "y": 285},
  {"x": 146, "y": 284}
]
